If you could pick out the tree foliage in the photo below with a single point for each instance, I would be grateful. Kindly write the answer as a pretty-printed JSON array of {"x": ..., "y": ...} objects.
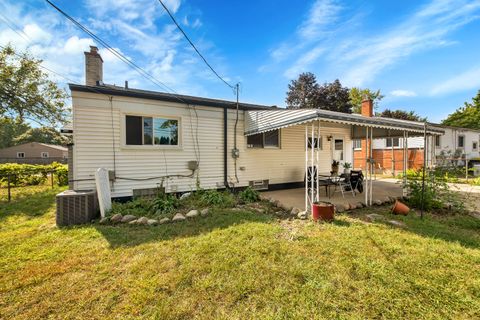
[
  {"x": 467, "y": 116},
  {"x": 9, "y": 130},
  {"x": 402, "y": 115},
  {"x": 305, "y": 92},
  {"x": 43, "y": 135},
  {"x": 26, "y": 92},
  {"x": 302, "y": 93},
  {"x": 357, "y": 95}
]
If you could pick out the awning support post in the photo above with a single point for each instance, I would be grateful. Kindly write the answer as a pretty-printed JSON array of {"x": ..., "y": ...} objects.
[
  {"x": 366, "y": 165},
  {"x": 372, "y": 167}
]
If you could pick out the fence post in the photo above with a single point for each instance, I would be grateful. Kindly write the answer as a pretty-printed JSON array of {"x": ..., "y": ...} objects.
[
  {"x": 51, "y": 178},
  {"x": 466, "y": 167},
  {"x": 8, "y": 186}
]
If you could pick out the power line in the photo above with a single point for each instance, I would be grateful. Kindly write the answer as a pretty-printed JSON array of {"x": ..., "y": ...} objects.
[
  {"x": 193, "y": 46},
  {"x": 14, "y": 28}
]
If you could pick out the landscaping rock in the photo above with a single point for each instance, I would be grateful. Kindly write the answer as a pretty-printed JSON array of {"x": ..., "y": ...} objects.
[
  {"x": 294, "y": 211},
  {"x": 104, "y": 220},
  {"x": 372, "y": 217},
  {"x": 346, "y": 206},
  {"x": 178, "y": 217},
  {"x": 398, "y": 224},
  {"x": 302, "y": 215},
  {"x": 142, "y": 220},
  {"x": 378, "y": 202},
  {"x": 185, "y": 195},
  {"x": 387, "y": 200},
  {"x": 133, "y": 222},
  {"x": 340, "y": 208},
  {"x": 360, "y": 205},
  {"x": 164, "y": 220},
  {"x": 152, "y": 222},
  {"x": 192, "y": 214},
  {"x": 116, "y": 217},
  {"x": 128, "y": 218},
  {"x": 204, "y": 212},
  {"x": 352, "y": 206}
]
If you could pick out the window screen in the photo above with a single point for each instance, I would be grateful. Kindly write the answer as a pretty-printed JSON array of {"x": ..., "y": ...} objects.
[
  {"x": 271, "y": 138},
  {"x": 395, "y": 141},
  {"x": 317, "y": 143},
  {"x": 255, "y": 141}
]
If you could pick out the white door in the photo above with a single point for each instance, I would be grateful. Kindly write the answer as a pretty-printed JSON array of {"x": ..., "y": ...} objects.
[{"x": 338, "y": 149}]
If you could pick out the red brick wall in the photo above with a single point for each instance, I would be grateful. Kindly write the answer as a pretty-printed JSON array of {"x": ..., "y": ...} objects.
[{"x": 383, "y": 159}]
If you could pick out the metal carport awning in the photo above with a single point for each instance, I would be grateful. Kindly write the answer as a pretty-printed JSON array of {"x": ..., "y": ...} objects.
[{"x": 268, "y": 120}]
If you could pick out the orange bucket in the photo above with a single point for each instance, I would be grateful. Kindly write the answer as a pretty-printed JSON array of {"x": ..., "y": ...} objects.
[
  {"x": 400, "y": 208},
  {"x": 323, "y": 211}
]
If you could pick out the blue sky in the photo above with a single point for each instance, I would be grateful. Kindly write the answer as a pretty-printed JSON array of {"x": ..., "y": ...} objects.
[{"x": 423, "y": 55}]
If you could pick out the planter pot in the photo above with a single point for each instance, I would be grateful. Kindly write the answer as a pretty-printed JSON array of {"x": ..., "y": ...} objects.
[
  {"x": 346, "y": 171},
  {"x": 334, "y": 170},
  {"x": 323, "y": 211},
  {"x": 400, "y": 208}
]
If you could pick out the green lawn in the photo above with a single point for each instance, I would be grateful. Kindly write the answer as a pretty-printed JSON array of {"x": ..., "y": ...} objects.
[{"x": 237, "y": 265}]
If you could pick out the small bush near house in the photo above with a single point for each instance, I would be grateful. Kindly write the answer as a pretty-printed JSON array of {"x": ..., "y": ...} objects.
[
  {"x": 249, "y": 195},
  {"x": 437, "y": 194},
  {"x": 217, "y": 198},
  {"x": 136, "y": 207},
  {"x": 165, "y": 203}
]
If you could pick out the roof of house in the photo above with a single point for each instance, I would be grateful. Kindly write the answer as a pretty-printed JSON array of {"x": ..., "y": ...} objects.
[
  {"x": 267, "y": 120},
  {"x": 439, "y": 125},
  {"x": 47, "y": 145},
  {"x": 165, "y": 96}
]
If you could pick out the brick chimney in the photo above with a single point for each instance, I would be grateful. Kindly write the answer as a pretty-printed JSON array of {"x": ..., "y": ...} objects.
[
  {"x": 367, "y": 107},
  {"x": 93, "y": 67}
]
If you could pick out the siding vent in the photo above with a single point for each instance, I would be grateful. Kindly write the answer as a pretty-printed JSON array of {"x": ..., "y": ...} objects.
[{"x": 258, "y": 184}]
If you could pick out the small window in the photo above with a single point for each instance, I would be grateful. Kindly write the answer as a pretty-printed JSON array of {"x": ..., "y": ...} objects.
[
  {"x": 151, "y": 131},
  {"x": 475, "y": 145},
  {"x": 270, "y": 139},
  {"x": 437, "y": 141},
  {"x": 20, "y": 154},
  {"x": 317, "y": 143},
  {"x": 44, "y": 155},
  {"x": 357, "y": 144},
  {"x": 395, "y": 142},
  {"x": 461, "y": 141}
]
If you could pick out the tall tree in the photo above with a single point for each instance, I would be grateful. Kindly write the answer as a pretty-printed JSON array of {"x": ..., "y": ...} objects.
[
  {"x": 333, "y": 96},
  {"x": 402, "y": 115},
  {"x": 467, "y": 116},
  {"x": 302, "y": 92},
  {"x": 9, "y": 129},
  {"x": 357, "y": 95},
  {"x": 43, "y": 135},
  {"x": 26, "y": 92}
]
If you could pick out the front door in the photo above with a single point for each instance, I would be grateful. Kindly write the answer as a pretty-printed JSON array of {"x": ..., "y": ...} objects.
[{"x": 338, "y": 150}]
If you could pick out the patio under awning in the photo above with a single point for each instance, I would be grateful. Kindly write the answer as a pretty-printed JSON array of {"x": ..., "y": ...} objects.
[{"x": 362, "y": 127}]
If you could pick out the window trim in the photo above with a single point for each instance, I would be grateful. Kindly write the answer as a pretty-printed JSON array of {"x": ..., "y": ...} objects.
[
  {"x": 439, "y": 139},
  {"x": 123, "y": 132},
  {"x": 393, "y": 145},
  {"x": 21, "y": 152},
  {"x": 458, "y": 141},
  {"x": 44, "y": 152},
  {"x": 318, "y": 138},
  {"x": 476, "y": 145},
  {"x": 357, "y": 148}
]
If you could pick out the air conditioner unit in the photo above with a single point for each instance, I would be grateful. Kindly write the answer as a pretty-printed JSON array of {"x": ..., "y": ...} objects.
[
  {"x": 259, "y": 184},
  {"x": 76, "y": 207}
]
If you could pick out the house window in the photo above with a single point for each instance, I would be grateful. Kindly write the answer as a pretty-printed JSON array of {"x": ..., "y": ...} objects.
[
  {"x": 393, "y": 142},
  {"x": 461, "y": 141},
  {"x": 270, "y": 139},
  {"x": 44, "y": 155},
  {"x": 437, "y": 141},
  {"x": 357, "y": 144},
  {"x": 317, "y": 143},
  {"x": 475, "y": 145},
  {"x": 151, "y": 131},
  {"x": 20, "y": 154}
]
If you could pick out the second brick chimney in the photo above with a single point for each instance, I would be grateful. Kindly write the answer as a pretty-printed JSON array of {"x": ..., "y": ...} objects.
[
  {"x": 93, "y": 67},
  {"x": 367, "y": 107}
]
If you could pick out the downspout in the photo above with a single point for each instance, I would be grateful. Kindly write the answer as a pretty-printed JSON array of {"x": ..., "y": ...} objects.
[{"x": 225, "y": 150}]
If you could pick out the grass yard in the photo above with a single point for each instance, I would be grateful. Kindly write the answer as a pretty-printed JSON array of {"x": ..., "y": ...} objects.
[{"x": 237, "y": 265}]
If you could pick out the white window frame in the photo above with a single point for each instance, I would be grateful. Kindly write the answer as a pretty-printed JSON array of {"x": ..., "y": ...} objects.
[
  {"x": 355, "y": 147},
  {"x": 318, "y": 138},
  {"x": 20, "y": 157},
  {"x": 44, "y": 153},
  {"x": 123, "y": 131},
  {"x": 263, "y": 141},
  {"x": 393, "y": 145}
]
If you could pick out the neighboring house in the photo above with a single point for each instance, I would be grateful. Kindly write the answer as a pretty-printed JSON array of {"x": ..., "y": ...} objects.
[
  {"x": 34, "y": 153},
  {"x": 148, "y": 139},
  {"x": 463, "y": 141}
]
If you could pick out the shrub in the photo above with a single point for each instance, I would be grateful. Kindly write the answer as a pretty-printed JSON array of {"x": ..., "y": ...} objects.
[
  {"x": 249, "y": 195},
  {"x": 217, "y": 198},
  {"x": 136, "y": 207},
  {"x": 29, "y": 174},
  {"x": 165, "y": 203}
]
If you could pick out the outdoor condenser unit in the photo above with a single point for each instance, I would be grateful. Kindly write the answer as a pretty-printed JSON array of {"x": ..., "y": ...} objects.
[{"x": 76, "y": 207}]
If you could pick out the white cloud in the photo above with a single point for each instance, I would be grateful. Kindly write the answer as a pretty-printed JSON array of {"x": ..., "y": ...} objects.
[
  {"x": 469, "y": 79},
  {"x": 304, "y": 62},
  {"x": 321, "y": 15},
  {"x": 403, "y": 93}
]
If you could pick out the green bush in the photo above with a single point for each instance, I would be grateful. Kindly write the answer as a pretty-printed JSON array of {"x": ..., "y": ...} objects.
[
  {"x": 30, "y": 174},
  {"x": 137, "y": 207},
  {"x": 249, "y": 195},
  {"x": 216, "y": 198},
  {"x": 165, "y": 203}
]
